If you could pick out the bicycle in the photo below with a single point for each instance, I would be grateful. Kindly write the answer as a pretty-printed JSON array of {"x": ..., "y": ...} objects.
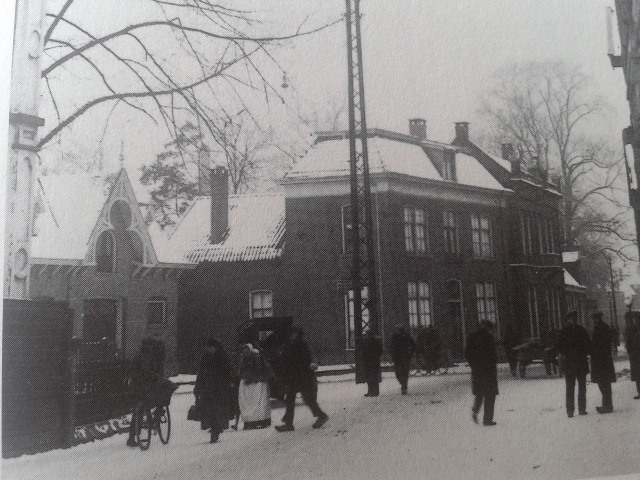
[
  {"x": 150, "y": 421},
  {"x": 152, "y": 415}
]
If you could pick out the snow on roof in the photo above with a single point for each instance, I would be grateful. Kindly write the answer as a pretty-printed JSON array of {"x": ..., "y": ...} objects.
[
  {"x": 469, "y": 171},
  {"x": 256, "y": 230},
  {"x": 506, "y": 164},
  {"x": 71, "y": 204},
  {"x": 570, "y": 257},
  {"x": 569, "y": 281},
  {"x": 330, "y": 158}
]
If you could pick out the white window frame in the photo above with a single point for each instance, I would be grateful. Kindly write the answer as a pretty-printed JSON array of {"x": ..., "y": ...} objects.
[
  {"x": 481, "y": 237},
  {"x": 420, "y": 304},
  {"x": 414, "y": 242},
  {"x": 487, "y": 302},
  {"x": 349, "y": 316},
  {"x": 450, "y": 232},
  {"x": 252, "y": 309}
]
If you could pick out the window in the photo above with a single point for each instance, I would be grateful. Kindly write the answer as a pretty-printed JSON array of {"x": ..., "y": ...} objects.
[
  {"x": 450, "y": 232},
  {"x": 420, "y": 309},
  {"x": 486, "y": 301},
  {"x": 534, "y": 311},
  {"x": 157, "y": 311},
  {"x": 481, "y": 236},
  {"x": 545, "y": 234},
  {"x": 349, "y": 315},
  {"x": 553, "y": 307},
  {"x": 415, "y": 230},
  {"x": 526, "y": 227},
  {"x": 449, "y": 166},
  {"x": 262, "y": 304},
  {"x": 106, "y": 252}
]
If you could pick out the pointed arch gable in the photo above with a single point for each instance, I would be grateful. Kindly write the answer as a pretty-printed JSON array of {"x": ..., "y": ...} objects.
[{"x": 121, "y": 190}]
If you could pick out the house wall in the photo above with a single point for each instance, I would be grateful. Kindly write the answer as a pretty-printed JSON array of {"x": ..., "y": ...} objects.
[
  {"x": 214, "y": 300},
  {"x": 132, "y": 295}
]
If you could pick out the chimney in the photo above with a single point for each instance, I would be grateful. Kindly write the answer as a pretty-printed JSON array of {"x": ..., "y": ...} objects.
[
  {"x": 507, "y": 151},
  {"x": 462, "y": 131},
  {"x": 219, "y": 203},
  {"x": 418, "y": 128}
]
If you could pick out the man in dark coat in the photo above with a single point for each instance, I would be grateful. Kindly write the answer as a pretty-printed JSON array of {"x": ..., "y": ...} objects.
[
  {"x": 300, "y": 377},
  {"x": 574, "y": 345},
  {"x": 480, "y": 352},
  {"x": 602, "y": 370},
  {"x": 632, "y": 341},
  {"x": 431, "y": 353},
  {"x": 511, "y": 340},
  {"x": 212, "y": 389},
  {"x": 146, "y": 371},
  {"x": 371, "y": 353},
  {"x": 402, "y": 348}
]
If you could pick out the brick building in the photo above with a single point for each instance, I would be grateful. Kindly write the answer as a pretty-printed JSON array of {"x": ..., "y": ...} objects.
[
  {"x": 461, "y": 235},
  {"x": 91, "y": 248}
]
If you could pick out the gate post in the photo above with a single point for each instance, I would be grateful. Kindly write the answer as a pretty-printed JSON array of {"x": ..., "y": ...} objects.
[{"x": 70, "y": 392}]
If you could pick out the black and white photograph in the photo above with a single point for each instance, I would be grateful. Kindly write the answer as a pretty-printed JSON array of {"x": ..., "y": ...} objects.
[{"x": 346, "y": 239}]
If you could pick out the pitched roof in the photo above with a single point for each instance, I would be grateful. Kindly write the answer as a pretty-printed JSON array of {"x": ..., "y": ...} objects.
[
  {"x": 256, "y": 231},
  {"x": 69, "y": 207},
  {"x": 388, "y": 153},
  {"x": 74, "y": 210}
]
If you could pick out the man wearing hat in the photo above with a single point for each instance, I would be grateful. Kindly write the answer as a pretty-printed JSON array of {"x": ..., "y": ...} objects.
[
  {"x": 574, "y": 345},
  {"x": 480, "y": 352},
  {"x": 602, "y": 369}
]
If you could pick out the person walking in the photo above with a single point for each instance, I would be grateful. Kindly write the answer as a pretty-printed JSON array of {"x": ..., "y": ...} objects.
[
  {"x": 146, "y": 371},
  {"x": 254, "y": 396},
  {"x": 511, "y": 340},
  {"x": 574, "y": 345},
  {"x": 602, "y": 370},
  {"x": 371, "y": 354},
  {"x": 300, "y": 377},
  {"x": 402, "y": 348},
  {"x": 632, "y": 341},
  {"x": 212, "y": 389},
  {"x": 481, "y": 354}
]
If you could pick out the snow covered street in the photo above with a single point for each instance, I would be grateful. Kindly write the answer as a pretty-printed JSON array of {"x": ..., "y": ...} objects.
[{"x": 427, "y": 434}]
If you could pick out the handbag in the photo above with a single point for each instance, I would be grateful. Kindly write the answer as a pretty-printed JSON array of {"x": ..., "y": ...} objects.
[{"x": 194, "y": 413}]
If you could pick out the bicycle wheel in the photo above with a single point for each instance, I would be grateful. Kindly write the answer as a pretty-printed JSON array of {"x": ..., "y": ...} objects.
[
  {"x": 163, "y": 424},
  {"x": 145, "y": 425}
]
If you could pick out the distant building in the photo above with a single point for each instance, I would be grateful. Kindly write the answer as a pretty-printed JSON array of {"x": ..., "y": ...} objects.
[
  {"x": 461, "y": 236},
  {"x": 91, "y": 248}
]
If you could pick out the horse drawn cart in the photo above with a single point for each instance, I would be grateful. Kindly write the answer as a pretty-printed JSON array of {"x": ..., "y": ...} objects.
[{"x": 537, "y": 350}]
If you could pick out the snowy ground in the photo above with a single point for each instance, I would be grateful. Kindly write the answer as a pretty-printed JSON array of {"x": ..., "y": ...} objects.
[{"x": 427, "y": 434}]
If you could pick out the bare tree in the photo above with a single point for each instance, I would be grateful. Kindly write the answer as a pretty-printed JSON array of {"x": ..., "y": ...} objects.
[
  {"x": 174, "y": 56},
  {"x": 546, "y": 111}
]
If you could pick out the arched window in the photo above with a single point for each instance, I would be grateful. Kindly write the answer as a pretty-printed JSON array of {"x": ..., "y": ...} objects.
[{"x": 106, "y": 252}]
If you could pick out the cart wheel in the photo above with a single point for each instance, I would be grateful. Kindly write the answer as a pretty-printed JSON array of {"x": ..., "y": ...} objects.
[
  {"x": 163, "y": 424},
  {"x": 145, "y": 425}
]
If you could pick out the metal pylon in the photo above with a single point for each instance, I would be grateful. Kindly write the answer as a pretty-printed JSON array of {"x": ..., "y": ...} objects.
[{"x": 363, "y": 272}]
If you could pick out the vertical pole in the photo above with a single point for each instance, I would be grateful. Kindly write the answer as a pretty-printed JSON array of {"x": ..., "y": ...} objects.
[
  {"x": 70, "y": 393},
  {"x": 613, "y": 295},
  {"x": 363, "y": 271}
]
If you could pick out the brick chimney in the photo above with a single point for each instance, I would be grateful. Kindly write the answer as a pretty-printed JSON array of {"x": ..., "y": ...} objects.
[
  {"x": 507, "y": 151},
  {"x": 219, "y": 203},
  {"x": 418, "y": 128},
  {"x": 462, "y": 131}
]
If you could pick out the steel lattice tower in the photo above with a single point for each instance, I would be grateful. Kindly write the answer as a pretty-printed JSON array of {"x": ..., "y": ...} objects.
[{"x": 363, "y": 271}]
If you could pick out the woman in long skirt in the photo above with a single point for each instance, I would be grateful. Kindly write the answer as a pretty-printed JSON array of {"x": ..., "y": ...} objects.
[
  {"x": 254, "y": 395},
  {"x": 212, "y": 389}
]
